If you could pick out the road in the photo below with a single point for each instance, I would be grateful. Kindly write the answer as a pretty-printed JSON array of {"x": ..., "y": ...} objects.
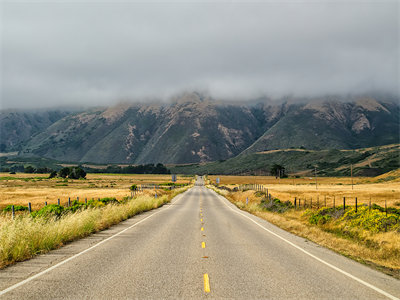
[{"x": 199, "y": 246}]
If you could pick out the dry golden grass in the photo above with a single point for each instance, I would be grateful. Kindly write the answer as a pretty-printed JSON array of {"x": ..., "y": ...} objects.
[
  {"x": 24, "y": 237},
  {"x": 385, "y": 252},
  {"x": 329, "y": 188},
  {"x": 19, "y": 189}
]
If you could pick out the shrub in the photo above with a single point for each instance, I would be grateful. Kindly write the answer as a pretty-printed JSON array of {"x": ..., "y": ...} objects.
[
  {"x": 276, "y": 205},
  {"x": 16, "y": 208},
  {"x": 133, "y": 187},
  {"x": 49, "y": 211}
]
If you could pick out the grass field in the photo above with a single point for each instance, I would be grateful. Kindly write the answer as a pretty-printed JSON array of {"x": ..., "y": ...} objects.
[
  {"x": 378, "y": 189},
  {"x": 21, "y": 188}
]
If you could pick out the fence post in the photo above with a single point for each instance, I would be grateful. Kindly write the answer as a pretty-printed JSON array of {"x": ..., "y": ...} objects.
[
  {"x": 69, "y": 202},
  {"x": 305, "y": 202},
  {"x": 77, "y": 199},
  {"x": 344, "y": 204},
  {"x": 369, "y": 203},
  {"x": 299, "y": 203},
  {"x": 311, "y": 203},
  {"x": 356, "y": 204},
  {"x": 247, "y": 200},
  {"x": 85, "y": 200},
  {"x": 13, "y": 212},
  {"x": 317, "y": 202},
  {"x": 334, "y": 198},
  {"x": 295, "y": 202},
  {"x": 325, "y": 201},
  {"x": 45, "y": 203},
  {"x": 58, "y": 202},
  {"x": 29, "y": 207}
]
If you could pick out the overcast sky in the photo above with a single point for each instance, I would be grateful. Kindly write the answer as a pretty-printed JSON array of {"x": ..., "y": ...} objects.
[{"x": 96, "y": 53}]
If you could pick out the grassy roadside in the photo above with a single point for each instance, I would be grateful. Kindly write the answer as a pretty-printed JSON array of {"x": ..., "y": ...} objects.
[
  {"x": 25, "y": 237},
  {"x": 370, "y": 246}
]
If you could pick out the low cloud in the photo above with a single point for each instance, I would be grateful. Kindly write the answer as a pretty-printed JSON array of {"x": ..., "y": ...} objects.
[{"x": 85, "y": 53}]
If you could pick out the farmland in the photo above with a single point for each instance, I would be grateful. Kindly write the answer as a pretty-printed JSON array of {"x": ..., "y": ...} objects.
[
  {"x": 20, "y": 188},
  {"x": 377, "y": 189}
]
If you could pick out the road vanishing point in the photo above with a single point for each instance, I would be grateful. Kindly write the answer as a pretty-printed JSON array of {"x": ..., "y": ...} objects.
[{"x": 198, "y": 246}]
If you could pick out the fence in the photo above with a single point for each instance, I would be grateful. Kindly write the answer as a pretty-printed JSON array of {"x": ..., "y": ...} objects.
[
  {"x": 67, "y": 203},
  {"x": 310, "y": 203}
]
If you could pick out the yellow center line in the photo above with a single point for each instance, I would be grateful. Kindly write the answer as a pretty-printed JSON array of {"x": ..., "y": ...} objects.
[
  {"x": 202, "y": 229},
  {"x": 206, "y": 283},
  {"x": 201, "y": 220},
  {"x": 203, "y": 244}
]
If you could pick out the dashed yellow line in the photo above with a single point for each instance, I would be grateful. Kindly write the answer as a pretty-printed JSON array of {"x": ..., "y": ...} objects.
[
  {"x": 202, "y": 229},
  {"x": 203, "y": 245},
  {"x": 206, "y": 283},
  {"x": 201, "y": 220}
]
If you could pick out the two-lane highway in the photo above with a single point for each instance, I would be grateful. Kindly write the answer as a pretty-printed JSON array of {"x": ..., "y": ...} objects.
[{"x": 199, "y": 246}]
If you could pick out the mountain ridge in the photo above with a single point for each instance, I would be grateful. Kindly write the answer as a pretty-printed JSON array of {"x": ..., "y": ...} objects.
[{"x": 194, "y": 128}]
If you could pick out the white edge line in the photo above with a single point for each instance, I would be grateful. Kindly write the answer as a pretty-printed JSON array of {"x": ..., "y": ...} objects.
[
  {"x": 309, "y": 254},
  {"x": 13, "y": 287}
]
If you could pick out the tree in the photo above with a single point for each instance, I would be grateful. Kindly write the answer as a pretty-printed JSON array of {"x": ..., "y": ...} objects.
[
  {"x": 278, "y": 171},
  {"x": 53, "y": 174},
  {"x": 64, "y": 172},
  {"x": 29, "y": 169},
  {"x": 76, "y": 173}
]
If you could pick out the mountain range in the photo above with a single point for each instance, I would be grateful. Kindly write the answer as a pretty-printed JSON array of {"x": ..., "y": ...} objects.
[{"x": 194, "y": 128}]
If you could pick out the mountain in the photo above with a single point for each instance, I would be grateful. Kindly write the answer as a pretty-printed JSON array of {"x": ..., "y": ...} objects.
[
  {"x": 194, "y": 128},
  {"x": 333, "y": 125},
  {"x": 17, "y": 127}
]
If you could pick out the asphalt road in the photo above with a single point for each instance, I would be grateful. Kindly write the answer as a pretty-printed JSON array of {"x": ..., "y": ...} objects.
[{"x": 199, "y": 246}]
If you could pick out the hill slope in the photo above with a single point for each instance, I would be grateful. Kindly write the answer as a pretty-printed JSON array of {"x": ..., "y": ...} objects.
[{"x": 195, "y": 128}]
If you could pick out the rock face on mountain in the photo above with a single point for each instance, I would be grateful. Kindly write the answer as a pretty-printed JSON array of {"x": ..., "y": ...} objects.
[{"x": 195, "y": 128}]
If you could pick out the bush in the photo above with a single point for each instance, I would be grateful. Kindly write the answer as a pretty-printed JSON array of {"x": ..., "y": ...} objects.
[
  {"x": 133, "y": 187},
  {"x": 276, "y": 205},
  {"x": 16, "y": 208},
  {"x": 49, "y": 211}
]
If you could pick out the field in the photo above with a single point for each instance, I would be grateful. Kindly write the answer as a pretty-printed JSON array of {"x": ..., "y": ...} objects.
[
  {"x": 377, "y": 189},
  {"x": 21, "y": 188}
]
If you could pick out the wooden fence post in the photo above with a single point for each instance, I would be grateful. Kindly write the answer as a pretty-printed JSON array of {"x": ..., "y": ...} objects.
[
  {"x": 295, "y": 202},
  {"x": 344, "y": 203},
  {"x": 58, "y": 201},
  {"x": 69, "y": 202},
  {"x": 29, "y": 207},
  {"x": 45, "y": 203},
  {"x": 13, "y": 212},
  {"x": 356, "y": 204},
  {"x": 325, "y": 201}
]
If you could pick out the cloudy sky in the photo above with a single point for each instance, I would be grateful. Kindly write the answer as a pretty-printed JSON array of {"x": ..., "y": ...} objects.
[{"x": 99, "y": 52}]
